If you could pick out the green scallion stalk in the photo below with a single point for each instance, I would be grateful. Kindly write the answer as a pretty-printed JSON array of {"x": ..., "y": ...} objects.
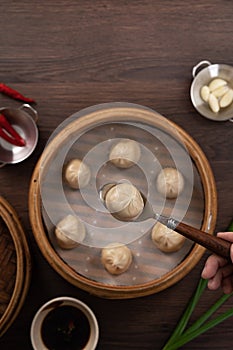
[
  {"x": 180, "y": 337},
  {"x": 208, "y": 313},
  {"x": 185, "y": 338},
  {"x": 187, "y": 314}
]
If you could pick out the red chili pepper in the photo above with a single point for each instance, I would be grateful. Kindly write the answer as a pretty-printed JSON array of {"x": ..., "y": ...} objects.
[
  {"x": 14, "y": 94},
  {"x": 8, "y": 133}
]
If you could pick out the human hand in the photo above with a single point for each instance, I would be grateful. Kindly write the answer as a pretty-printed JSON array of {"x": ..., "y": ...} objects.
[{"x": 218, "y": 270}]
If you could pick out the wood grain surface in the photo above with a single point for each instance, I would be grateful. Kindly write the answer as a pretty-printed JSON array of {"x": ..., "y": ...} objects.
[{"x": 69, "y": 55}]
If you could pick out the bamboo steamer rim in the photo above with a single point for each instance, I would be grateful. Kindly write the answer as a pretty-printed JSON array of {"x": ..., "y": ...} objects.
[
  {"x": 123, "y": 114},
  {"x": 23, "y": 266}
]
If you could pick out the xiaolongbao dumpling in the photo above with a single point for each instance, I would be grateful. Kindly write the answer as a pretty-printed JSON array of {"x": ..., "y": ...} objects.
[
  {"x": 124, "y": 201},
  {"x": 77, "y": 174},
  {"x": 125, "y": 153},
  {"x": 166, "y": 239},
  {"x": 116, "y": 258},
  {"x": 170, "y": 182},
  {"x": 69, "y": 232}
]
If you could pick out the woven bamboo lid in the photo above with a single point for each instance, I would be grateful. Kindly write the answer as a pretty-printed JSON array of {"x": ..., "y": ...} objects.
[{"x": 15, "y": 265}]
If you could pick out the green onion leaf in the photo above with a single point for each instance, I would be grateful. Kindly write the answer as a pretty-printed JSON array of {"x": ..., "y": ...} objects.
[
  {"x": 185, "y": 338},
  {"x": 179, "y": 336},
  {"x": 188, "y": 312},
  {"x": 208, "y": 313}
]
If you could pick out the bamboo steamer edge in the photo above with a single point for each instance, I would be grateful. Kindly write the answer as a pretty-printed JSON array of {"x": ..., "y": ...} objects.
[
  {"x": 209, "y": 217},
  {"x": 23, "y": 270}
]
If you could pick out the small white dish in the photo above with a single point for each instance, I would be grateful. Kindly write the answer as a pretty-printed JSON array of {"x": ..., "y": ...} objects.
[{"x": 57, "y": 325}]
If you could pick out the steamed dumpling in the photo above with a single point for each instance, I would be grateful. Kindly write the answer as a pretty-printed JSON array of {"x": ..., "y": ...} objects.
[
  {"x": 125, "y": 153},
  {"x": 170, "y": 182},
  {"x": 166, "y": 239},
  {"x": 116, "y": 258},
  {"x": 70, "y": 227},
  {"x": 124, "y": 201},
  {"x": 77, "y": 174}
]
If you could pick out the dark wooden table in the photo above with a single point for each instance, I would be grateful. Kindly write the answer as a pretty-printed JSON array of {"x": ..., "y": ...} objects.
[{"x": 69, "y": 55}]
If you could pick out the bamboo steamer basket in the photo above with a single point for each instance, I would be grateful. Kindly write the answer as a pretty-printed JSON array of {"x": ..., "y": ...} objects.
[
  {"x": 15, "y": 262},
  {"x": 67, "y": 263}
]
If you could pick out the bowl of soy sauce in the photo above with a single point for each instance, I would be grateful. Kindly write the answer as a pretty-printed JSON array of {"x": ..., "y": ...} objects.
[{"x": 64, "y": 323}]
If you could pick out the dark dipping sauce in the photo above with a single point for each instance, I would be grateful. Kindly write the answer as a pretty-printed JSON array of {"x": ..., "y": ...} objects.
[{"x": 65, "y": 328}]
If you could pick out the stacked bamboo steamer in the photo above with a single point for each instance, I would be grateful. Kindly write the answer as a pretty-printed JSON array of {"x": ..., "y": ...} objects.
[{"x": 15, "y": 264}]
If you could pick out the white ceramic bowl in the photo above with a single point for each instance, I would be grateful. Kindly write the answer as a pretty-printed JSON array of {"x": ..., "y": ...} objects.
[{"x": 42, "y": 313}]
